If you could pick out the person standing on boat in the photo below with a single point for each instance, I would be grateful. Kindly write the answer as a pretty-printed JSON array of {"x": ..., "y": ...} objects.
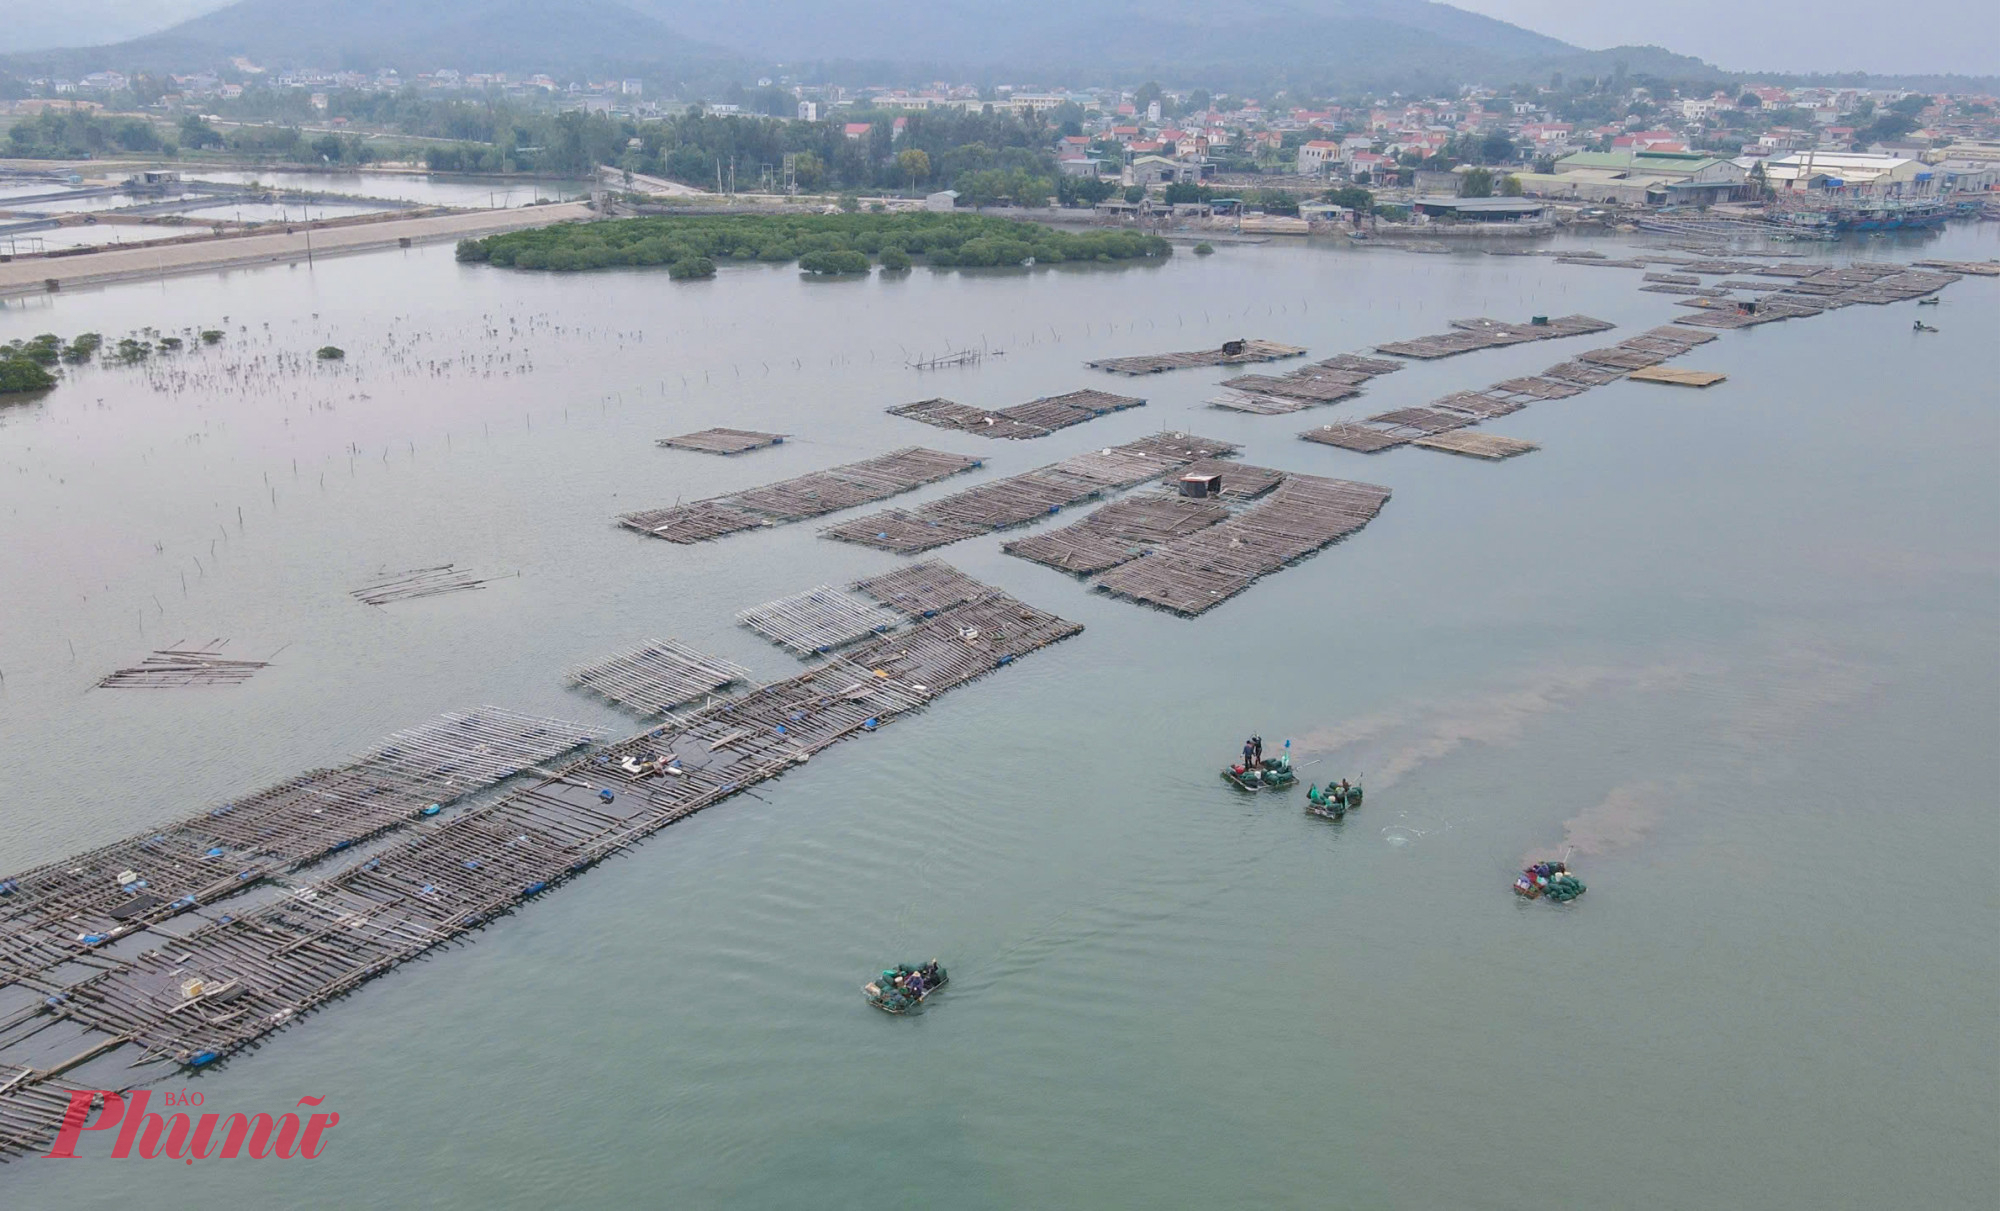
[
  {"x": 1250, "y": 753},
  {"x": 1257, "y": 752}
]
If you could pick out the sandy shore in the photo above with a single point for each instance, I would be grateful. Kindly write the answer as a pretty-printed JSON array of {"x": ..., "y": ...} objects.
[{"x": 32, "y": 275}]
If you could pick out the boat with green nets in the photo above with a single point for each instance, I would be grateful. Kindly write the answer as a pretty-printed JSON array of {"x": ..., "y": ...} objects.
[
  {"x": 902, "y": 988},
  {"x": 1335, "y": 801},
  {"x": 1272, "y": 774},
  {"x": 1549, "y": 881}
]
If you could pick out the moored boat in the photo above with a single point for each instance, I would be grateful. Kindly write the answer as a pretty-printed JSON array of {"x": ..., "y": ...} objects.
[{"x": 1335, "y": 801}]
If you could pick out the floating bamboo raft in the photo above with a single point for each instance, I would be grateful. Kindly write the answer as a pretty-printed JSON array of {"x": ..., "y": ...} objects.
[
  {"x": 1469, "y": 335},
  {"x": 817, "y": 621},
  {"x": 1677, "y": 378},
  {"x": 195, "y": 998},
  {"x": 723, "y": 441},
  {"x": 1978, "y": 268},
  {"x": 1019, "y": 499},
  {"x": 1036, "y": 418},
  {"x": 1386, "y": 430},
  {"x": 418, "y": 582},
  {"x": 659, "y": 677},
  {"x": 1245, "y": 352},
  {"x": 1199, "y": 572},
  {"x": 1476, "y": 445},
  {"x": 923, "y": 588},
  {"x": 813, "y": 495},
  {"x": 1118, "y": 533},
  {"x": 48, "y": 911},
  {"x": 31, "y": 1110},
  {"x": 177, "y": 668}
]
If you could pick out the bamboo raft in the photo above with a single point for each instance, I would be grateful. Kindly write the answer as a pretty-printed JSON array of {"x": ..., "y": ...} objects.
[
  {"x": 1476, "y": 445},
  {"x": 1425, "y": 425},
  {"x": 817, "y": 621},
  {"x": 178, "y": 668},
  {"x": 1036, "y": 418},
  {"x": 1467, "y": 336},
  {"x": 1019, "y": 499},
  {"x": 1675, "y": 279},
  {"x": 1677, "y": 378},
  {"x": 812, "y": 495},
  {"x": 922, "y": 589},
  {"x": 1232, "y": 353},
  {"x": 1977, "y": 268},
  {"x": 1118, "y": 533},
  {"x": 723, "y": 441},
  {"x": 197, "y": 997},
  {"x": 418, "y": 582},
  {"x": 49, "y": 913},
  {"x": 658, "y": 677},
  {"x": 1199, "y": 572}
]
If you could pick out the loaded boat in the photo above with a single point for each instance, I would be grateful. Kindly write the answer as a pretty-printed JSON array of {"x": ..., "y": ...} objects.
[
  {"x": 1335, "y": 801},
  {"x": 1550, "y": 880},
  {"x": 901, "y": 988},
  {"x": 1271, "y": 774}
]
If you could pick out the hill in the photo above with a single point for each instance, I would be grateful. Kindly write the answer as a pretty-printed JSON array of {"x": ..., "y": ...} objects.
[
  {"x": 557, "y": 36},
  {"x": 1313, "y": 46}
]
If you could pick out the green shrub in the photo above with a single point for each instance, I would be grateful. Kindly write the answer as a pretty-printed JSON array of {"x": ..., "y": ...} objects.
[
  {"x": 80, "y": 349},
  {"x": 894, "y": 259},
  {"x": 330, "y": 353},
  {"x": 211, "y": 336},
  {"x": 835, "y": 262},
  {"x": 20, "y": 374},
  {"x": 691, "y": 268},
  {"x": 1204, "y": 248}
]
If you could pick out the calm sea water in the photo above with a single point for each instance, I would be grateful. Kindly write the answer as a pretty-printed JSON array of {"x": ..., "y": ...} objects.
[{"x": 1738, "y": 647}]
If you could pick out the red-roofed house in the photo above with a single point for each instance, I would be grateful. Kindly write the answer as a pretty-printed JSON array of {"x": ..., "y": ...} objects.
[{"x": 857, "y": 130}]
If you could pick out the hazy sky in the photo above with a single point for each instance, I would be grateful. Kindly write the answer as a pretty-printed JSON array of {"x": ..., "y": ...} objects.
[{"x": 1778, "y": 35}]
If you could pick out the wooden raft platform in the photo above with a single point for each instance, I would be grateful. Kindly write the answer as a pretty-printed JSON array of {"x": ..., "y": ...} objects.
[
  {"x": 1324, "y": 382},
  {"x": 723, "y": 441},
  {"x": 817, "y": 621},
  {"x": 658, "y": 677},
  {"x": 266, "y": 967},
  {"x": 272, "y": 831},
  {"x": 1119, "y": 532},
  {"x": 1677, "y": 378},
  {"x": 1422, "y": 426},
  {"x": 1036, "y": 418},
  {"x": 923, "y": 588},
  {"x": 1019, "y": 499},
  {"x": 1473, "y": 334},
  {"x": 1232, "y": 353},
  {"x": 1476, "y": 445},
  {"x": 812, "y": 495},
  {"x": 1197, "y": 573}
]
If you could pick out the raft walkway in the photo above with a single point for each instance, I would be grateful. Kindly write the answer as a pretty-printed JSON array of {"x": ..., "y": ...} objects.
[
  {"x": 1022, "y": 422},
  {"x": 62, "y": 912},
  {"x": 1460, "y": 409},
  {"x": 811, "y": 495},
  {"x": 1469, "y": 335},
  {"x": 723, "y": 441},
  {"x": 1323, "y": 382},
  {"x": 1018, "y": 499},
  {"x": 198, "y": 996}
]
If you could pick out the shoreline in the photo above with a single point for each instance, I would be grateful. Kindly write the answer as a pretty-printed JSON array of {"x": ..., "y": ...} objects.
[{"x": 43, "y": 274}]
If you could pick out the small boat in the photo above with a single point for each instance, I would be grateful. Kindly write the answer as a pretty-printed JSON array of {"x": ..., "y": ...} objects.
[
  {"x": 1929, "y": 302},
  {"x": 1549, "y": 880},
  {"x": 1923, "y": 327},
  {"x": 901, "y": 988},
  {"x": 1334, "y": 802},
  {"x": 1274, "y": 774}
]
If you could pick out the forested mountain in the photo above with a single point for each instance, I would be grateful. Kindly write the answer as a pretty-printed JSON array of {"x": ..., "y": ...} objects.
[{"x": 1310, "y": 45}]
